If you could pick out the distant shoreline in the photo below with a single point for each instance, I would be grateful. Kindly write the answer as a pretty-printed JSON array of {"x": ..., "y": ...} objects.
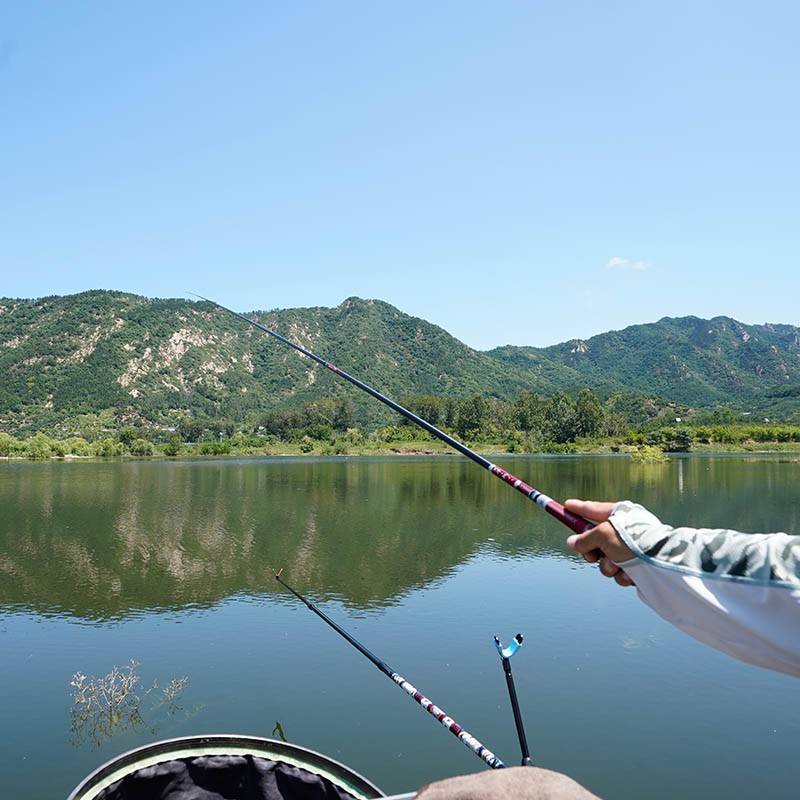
[{"x": 418, "y": 450}]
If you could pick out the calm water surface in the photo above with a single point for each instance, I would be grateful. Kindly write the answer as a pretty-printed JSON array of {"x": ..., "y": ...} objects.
[{"x": 424, "y": 560}]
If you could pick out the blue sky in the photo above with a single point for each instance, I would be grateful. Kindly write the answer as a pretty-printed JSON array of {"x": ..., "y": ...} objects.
[{"x": 515, "y": 172}]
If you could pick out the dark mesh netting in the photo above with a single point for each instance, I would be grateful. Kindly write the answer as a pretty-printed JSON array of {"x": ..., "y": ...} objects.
[{"x": 223, "y": 778}]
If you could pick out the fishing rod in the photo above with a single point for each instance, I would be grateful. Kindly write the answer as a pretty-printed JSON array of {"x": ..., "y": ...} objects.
[
  {"x": 552, "y": 507},
  {"x": 460, "y": 733}
]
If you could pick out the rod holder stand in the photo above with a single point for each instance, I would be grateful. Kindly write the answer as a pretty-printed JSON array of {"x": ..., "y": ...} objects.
[{"x": 506, "y": 653}]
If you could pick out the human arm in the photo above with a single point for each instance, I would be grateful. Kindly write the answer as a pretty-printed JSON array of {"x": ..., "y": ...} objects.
[{"x": 737, "y": 592}]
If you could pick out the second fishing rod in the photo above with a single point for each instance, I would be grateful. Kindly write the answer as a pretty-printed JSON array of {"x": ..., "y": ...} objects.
[
  {"x": 551, "y": 506},
  {"x": 463, "y": 735}
]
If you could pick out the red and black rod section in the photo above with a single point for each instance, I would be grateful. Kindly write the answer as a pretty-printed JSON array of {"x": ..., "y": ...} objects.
[{"x": 552, "y": 507}]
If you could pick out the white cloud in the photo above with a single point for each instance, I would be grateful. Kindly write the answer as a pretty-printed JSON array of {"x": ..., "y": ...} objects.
[{"x": 633, "y": 264}]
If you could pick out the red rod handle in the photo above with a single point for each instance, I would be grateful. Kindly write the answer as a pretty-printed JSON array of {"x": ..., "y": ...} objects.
[{"x": 573, "y": 521}]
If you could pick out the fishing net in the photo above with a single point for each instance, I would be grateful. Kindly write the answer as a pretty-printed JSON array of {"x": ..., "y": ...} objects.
[
  {"x": 224, "y": 768},
  {"x": 223, "y": 777}
]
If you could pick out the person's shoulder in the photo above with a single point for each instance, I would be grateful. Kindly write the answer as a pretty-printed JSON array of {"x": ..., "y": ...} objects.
[{"x": 521, "y": 783}]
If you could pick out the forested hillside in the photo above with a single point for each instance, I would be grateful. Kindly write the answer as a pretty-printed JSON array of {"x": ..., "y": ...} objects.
[
  {"x": 699, "y": 362},
  {"x": 110, "y": 359},
  {"x": 99, "y": 360}
]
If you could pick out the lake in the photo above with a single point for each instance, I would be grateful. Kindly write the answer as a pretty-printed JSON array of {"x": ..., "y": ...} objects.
[{"x": 423, "y": 560}]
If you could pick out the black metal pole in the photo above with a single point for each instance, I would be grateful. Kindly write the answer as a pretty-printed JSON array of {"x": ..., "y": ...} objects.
[
  {"x": 512, "y": 693},
  {"x": 505, "y": 656}
]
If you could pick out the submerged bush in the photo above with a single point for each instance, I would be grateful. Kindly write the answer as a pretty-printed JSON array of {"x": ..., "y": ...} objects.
[
  {"x": 108, "y": 704},
  {"x": 649, "y": 454}
]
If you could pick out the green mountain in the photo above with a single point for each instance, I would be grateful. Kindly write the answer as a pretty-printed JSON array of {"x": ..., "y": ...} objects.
[
  {"x": 133, "y": 359},
  {"x": 689, "y": 360},
  {"x": 107, "y": 358}
]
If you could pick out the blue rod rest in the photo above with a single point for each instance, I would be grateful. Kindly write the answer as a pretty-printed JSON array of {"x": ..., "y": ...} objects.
[{"x": 507, "y": 652}]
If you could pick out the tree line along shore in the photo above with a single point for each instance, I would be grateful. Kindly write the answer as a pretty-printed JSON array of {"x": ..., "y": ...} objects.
[{"x": 561, "y": 423}]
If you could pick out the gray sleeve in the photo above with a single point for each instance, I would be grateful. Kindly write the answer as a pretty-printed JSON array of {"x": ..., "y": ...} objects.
[
  {"x": 736, "y": 592},
  {"x": 759, "y": 558}
]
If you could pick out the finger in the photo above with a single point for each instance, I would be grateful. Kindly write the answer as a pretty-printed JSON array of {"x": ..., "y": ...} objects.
[
  {"x": 623, "y": 579},
  {"x": 594, "y": 539},
  {"x": 608, "y": 567},
  {"x": 593, "y": 556},
  {"x": 590, "y": 509},
  {"x": 584, "y": 543}
]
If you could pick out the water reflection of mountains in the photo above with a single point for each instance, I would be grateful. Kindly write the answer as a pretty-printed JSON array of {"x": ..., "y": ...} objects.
[{"x": 106, "y": 540}]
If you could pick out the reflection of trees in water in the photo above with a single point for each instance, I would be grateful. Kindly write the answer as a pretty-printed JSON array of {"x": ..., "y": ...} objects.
[{"x": 102, "y": 540}]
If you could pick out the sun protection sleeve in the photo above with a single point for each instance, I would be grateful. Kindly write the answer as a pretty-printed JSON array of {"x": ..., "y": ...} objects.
[{"x": 738, "y": 592}]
